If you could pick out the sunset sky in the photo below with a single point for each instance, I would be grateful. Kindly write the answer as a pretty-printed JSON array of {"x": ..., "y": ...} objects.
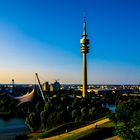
[{"x": 43, "y": 36}]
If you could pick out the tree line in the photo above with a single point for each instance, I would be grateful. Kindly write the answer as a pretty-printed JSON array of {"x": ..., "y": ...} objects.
[{"x": 63, "y": 109}]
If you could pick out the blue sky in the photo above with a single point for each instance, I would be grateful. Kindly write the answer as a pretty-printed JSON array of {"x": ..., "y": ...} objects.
[{"x": 43, "y": 36}]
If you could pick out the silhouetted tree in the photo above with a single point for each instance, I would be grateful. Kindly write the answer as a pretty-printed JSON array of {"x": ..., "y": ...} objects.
[
  {"x": 33, "y": 121},
  {"x": 127, "y": 119}
]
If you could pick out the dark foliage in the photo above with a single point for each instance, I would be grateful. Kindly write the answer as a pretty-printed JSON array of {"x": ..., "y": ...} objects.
[{"x": 127, "y": 119}]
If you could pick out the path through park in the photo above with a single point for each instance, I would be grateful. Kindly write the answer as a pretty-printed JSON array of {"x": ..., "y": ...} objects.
[{"x": 70, "y": 133}]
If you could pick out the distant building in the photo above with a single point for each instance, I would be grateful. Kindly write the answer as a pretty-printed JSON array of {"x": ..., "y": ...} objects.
[
  {"x": 65, "y": 87},
  {"x": 55, "y": 86},
  {"x": 107, "y": 91},
  {"x": 45, "y": 86}
]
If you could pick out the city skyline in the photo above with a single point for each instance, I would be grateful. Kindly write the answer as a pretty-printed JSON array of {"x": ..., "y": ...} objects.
[{"x": 43, "y": 36}]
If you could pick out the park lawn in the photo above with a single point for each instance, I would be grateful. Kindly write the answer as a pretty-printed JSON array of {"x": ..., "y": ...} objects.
[
  {"x": 59, "y": 129},
  {"x": 102, "y": 132}
]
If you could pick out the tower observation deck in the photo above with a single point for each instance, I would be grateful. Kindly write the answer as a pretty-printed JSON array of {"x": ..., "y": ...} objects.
[{"x": 84, "y": 50}]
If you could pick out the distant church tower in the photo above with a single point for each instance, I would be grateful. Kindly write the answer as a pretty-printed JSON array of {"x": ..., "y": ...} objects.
[{"x": 84, "y": 50}]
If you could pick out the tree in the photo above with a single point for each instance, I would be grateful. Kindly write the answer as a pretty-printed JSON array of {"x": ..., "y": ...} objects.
[
  {"x": 136, "y": 131},
  {"x": 84, "y": 111},
  {"x": 38, "y": 106},
  {"x": 33, "y": 121},
  {"x": 52, "y": 120},
  {"x": 76, "y": 103},
  {"x": 92, "y": 113},
  {"x": 44, "y": 117},
  {"x": 123, "y": 131},
  {"x": 47, "y": 107},
  {"x": 74, "y": 113},
  {"x": 127, "y": 119},
  {"x": 60, "y": 108}
]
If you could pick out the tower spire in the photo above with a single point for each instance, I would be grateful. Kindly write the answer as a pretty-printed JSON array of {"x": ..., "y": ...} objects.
[{"x": 84, "y": 27}]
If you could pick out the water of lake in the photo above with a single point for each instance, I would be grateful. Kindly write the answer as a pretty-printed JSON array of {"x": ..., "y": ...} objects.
[
  {"x": 9, "y": 128},
  {"x": 111, "y": 107}
]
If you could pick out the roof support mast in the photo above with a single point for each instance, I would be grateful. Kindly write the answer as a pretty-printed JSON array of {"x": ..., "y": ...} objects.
[{"x": 40, "y": 87}]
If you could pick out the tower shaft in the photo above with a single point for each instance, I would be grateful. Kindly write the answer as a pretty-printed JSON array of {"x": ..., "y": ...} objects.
[
  {"x": 84, "y": 75},
  {"x": 84, "y": 50}
]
